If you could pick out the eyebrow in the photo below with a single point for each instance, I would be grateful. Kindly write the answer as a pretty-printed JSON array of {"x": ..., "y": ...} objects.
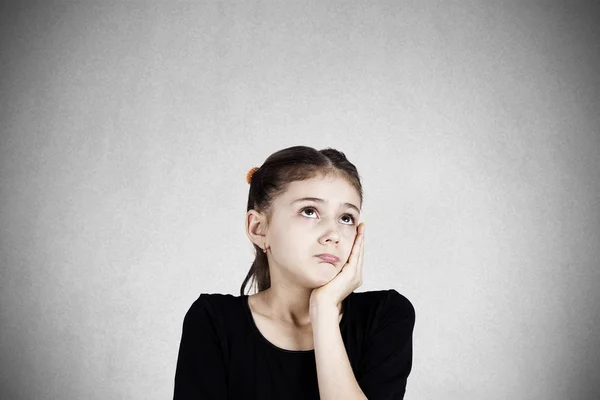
[{"x": 318, "y": 200}]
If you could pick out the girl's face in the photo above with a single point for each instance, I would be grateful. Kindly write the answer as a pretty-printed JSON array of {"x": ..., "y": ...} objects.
[{"x": 302, "y": 229}]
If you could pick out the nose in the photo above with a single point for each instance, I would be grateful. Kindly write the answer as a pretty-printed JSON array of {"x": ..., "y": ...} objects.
[{"x": 331, "y": 234}]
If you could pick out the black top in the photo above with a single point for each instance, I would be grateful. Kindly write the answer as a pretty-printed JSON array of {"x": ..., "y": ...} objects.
[{"x": 223, "y": 355}]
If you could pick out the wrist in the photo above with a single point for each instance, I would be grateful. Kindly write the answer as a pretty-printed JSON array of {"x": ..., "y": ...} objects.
[{"x": 320, "y": 311}]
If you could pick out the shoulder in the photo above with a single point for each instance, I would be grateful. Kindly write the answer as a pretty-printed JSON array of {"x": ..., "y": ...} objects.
[
  {"x": 206, "y": 299},
  {"x": 213, "y": 306},
  {"x": 384, "y": 303},
  {"x": 389, "y": 297}
]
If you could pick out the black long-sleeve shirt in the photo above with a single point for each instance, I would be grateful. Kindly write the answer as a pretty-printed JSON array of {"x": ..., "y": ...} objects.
[{"x": 223, "y": 355}]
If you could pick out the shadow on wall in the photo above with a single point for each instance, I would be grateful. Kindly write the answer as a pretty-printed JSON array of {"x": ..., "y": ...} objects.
[{"x": 583, "y": 380}]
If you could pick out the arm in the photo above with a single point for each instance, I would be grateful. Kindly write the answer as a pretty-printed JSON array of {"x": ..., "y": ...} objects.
[
  {"x": 200, "y": 370},
  {"x": 334, "y": 373},
  {"x": 386, "y": 362},
  {"x": 383, "y": 369}
]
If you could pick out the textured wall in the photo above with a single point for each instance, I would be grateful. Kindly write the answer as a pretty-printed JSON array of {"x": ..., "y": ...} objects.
[{"x": 127, "y": 129}]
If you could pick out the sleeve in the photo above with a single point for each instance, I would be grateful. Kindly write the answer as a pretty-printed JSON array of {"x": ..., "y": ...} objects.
[
  {"x": 201, "y": 371},
  {"x": 387, "y": 358}
]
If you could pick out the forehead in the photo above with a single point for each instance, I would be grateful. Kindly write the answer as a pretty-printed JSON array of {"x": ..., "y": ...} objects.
[{"x": 333, "y": 190}]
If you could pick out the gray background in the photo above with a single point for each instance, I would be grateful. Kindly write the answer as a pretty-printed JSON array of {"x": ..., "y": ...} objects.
[{"x": 127, "y": 129}]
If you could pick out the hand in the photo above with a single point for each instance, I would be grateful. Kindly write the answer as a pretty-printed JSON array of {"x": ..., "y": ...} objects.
[{"x": 349, "y": 278}]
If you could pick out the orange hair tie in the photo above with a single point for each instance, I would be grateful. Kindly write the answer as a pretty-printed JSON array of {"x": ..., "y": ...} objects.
[{"x": 250, "y": 173}]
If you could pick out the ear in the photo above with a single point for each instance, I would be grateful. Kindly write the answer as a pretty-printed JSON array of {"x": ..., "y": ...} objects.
[{"x": 256, "y": 228}]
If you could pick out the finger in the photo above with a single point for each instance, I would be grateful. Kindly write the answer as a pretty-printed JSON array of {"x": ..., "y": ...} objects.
[
  {"x": 355, "y": 251},
  {"x": 361, "y": 254}
]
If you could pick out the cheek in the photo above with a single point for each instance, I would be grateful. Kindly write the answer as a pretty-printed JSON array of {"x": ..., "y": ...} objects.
[
  {"x": 289, "y": 243},
  {"x": 350, "y": 245}
]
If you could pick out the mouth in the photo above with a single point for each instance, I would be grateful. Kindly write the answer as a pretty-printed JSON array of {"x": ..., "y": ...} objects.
[{"x": 330, "y": 258}]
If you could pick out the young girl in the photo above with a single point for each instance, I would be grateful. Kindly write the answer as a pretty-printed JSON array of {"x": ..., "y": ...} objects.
[{"x": 305, "y": 334}]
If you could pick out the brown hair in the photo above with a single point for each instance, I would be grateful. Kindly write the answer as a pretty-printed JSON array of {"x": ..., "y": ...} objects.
[{"x": 281, "y": 168}]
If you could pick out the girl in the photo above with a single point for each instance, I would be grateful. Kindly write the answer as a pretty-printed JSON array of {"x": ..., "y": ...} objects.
[{"x": 304, "y": 334}]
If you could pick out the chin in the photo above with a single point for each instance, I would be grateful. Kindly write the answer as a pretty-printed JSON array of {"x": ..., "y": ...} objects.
[
  {"x": 326, "y": 277},
  {"x": 321, "y": 275}
]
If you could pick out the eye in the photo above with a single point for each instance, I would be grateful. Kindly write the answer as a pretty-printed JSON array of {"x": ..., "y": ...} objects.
[
  {"x": 350, "y": 216},
  {"x": 307, "y": 208}
]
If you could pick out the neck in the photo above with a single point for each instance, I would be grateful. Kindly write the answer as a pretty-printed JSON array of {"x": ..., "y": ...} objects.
[{"x": 288, "y": 305}]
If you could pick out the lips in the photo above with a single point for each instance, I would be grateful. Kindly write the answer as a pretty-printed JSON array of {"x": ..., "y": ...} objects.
[{"x": 328, "y": 258}]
